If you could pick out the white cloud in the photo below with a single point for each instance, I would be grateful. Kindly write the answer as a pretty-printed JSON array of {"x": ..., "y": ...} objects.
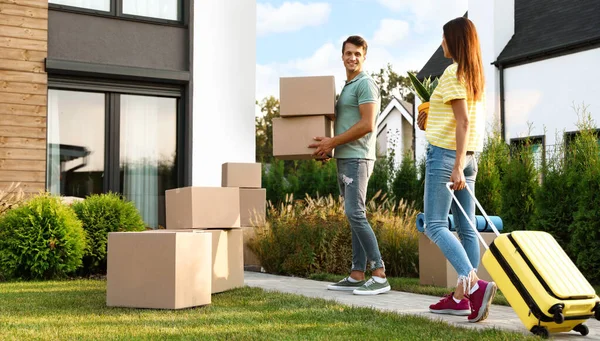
[
  {"x": 326, "y": 60},
  {"x": 428, "y": 15},
  {"x": 390, "y": 31},
  {"x": 290, "y": 16}
]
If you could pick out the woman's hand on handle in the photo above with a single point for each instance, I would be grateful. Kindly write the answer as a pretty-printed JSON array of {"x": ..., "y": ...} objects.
[{"x": 458, "y": 179}]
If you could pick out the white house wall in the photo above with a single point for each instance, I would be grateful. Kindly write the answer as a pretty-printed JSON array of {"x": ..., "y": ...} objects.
[
  {"x": 495, "y": 22},
  {"x": 224, "y": 64},
  {"x": 544, "y": 93},
  {"x": 393, "y": 121}
]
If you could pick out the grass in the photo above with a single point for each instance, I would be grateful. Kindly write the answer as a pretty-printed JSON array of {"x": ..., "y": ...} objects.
[
  {"x": 412, "y": 285},
  {"x": 76, "y": 310}
]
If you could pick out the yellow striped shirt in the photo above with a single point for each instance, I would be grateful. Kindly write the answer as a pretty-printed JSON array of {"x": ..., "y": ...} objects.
[{"x": 441, "y": 124}]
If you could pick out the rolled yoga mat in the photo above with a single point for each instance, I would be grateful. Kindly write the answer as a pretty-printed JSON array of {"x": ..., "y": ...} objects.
[{"x": 481, "y": 224}]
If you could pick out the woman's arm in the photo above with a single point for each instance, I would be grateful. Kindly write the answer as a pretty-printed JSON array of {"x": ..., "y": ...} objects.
[{"x": 459, "y": 107}]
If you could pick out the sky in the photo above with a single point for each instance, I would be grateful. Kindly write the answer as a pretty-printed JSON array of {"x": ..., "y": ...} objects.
[{"x": 303, "y": 38}]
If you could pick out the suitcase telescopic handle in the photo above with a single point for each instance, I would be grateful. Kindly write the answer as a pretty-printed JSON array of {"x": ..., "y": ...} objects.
[{"x": 487, "y": 218}]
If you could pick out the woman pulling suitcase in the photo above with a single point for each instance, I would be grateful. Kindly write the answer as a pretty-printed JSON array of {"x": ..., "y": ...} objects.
[{"x": 455, "y": 127}]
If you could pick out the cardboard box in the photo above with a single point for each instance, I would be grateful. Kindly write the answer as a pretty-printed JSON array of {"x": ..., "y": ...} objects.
[
  {"x": 243, "y": 175},
  {"x": 158, "y": 270},
  {"x": 253, "y": 206},
  {"x": 203, "y": 207},
  {"x": 293, "y": 135},
  {"x": 435, "y": 269},
  {"x": 305, "y": 96},
  {"x": 228, "y": 259},
  {"x": 251, "y": 261}
]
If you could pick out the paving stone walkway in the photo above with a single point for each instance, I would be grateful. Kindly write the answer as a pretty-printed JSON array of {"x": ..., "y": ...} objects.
[{"x": 501, "y": 317}]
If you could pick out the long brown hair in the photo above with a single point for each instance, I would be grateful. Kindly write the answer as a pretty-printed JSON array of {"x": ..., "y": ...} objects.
[{"x": 462, "y": 43}]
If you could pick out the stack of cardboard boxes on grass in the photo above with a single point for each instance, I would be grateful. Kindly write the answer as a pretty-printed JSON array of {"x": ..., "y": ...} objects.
[
  {"x": 307, "y": 108},
  {"x": 201, "y": 251}
]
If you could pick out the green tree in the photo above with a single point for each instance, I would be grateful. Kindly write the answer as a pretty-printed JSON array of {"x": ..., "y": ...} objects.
[
  {"x": 391, "y": 83},
  {"x": 269, "y": 106}
]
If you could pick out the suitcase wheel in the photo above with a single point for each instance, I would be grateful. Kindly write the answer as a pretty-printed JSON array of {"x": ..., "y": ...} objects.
[
  {"x": 582, "y": 328},
  {"x": 541, "y": 331}
]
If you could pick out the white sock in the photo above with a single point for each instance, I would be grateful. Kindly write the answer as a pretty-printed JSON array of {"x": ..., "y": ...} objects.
[
  {"x": 379, "y": 279},
  {"x": 352, "y": 280},
  {"x": 455, "y": 299},
  {"x": 474, "y": 288}
]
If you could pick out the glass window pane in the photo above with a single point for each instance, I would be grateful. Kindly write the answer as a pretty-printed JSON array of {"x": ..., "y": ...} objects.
[
  {"x": 100, "y": 5},
  {"x": 148, "y": 153},
  {"x": 162, "y": 9},
  {"x": 75, "y": 143}
]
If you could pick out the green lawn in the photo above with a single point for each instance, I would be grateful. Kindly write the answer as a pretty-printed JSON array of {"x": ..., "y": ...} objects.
[{"x": 76, "y": 309}]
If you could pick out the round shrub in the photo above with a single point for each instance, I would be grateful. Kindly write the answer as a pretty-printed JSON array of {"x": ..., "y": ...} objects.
[
  {"x": 42, "y": 239},
  {"x": 101, "y": 214}
]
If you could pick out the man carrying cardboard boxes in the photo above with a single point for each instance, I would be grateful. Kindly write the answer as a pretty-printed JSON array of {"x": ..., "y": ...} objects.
[{"x": 354, "y": 143}]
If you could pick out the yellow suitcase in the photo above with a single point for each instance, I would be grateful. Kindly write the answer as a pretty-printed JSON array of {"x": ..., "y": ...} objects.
[{"x": 539, "y": 280}]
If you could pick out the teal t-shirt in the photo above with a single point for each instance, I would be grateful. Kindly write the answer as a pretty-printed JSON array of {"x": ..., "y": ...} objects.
[{"x": 361, "y": 89}]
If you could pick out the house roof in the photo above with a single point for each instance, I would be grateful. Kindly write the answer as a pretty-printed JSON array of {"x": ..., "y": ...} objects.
[
  {"x": 546, "y": 28},
  {"x": 404, "y": 107},
  {"x": 543, "y": 28},
  {"x": 435, "y": 66}
]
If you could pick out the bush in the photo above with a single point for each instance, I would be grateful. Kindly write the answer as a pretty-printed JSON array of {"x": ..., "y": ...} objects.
[
  {"x": 491, "y": 166},
  {"x": 519, "y": 185},
  {"x": 583, "y": 161},
  {"x": 42, "y": 239},
  {"x": 101, "y": 214},
  {"x": 315, "y": 178},
  {"x": 313, "y": 235},
  {"x": 381, "y": 178},
  {"x": 555, "y": 200},
  {"x": 406, "y": 183}
]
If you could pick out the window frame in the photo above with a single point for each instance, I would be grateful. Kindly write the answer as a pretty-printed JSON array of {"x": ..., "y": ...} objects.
[
  {"x": 569, "y": 136},
  {"x": 112, "y": 91},
  {"x": 534, "y": 139},
  {"x": 116, "y": 11}
]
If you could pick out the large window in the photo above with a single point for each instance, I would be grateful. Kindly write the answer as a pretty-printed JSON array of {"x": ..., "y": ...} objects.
[
  {"x": 161, "y": 10},
  {"x": 99, "y": 5},
  {"x": 114, "y": 141},
  {"x": 147, "y": 153},
  {"x": 76, "y": 135}
]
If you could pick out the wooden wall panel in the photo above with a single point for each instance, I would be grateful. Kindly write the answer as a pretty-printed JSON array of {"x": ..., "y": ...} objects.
[{"x": 23, "y": 93}]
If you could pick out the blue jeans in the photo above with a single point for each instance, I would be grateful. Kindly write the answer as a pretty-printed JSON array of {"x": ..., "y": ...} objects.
[
  {"x": 463, "y": 255},
  {"x": 353, "y": 178}
]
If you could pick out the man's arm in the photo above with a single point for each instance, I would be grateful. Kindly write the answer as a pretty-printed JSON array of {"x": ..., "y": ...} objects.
[{"x": 368, "y": 115}]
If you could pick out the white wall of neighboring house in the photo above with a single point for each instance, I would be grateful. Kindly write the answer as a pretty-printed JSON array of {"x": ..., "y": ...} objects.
[
  {"x": 545, "y": 92},
  {"x": 420, "y": 140},
  {"x": 394, "y": 124},
  {"x": 224, "y": 73}
]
